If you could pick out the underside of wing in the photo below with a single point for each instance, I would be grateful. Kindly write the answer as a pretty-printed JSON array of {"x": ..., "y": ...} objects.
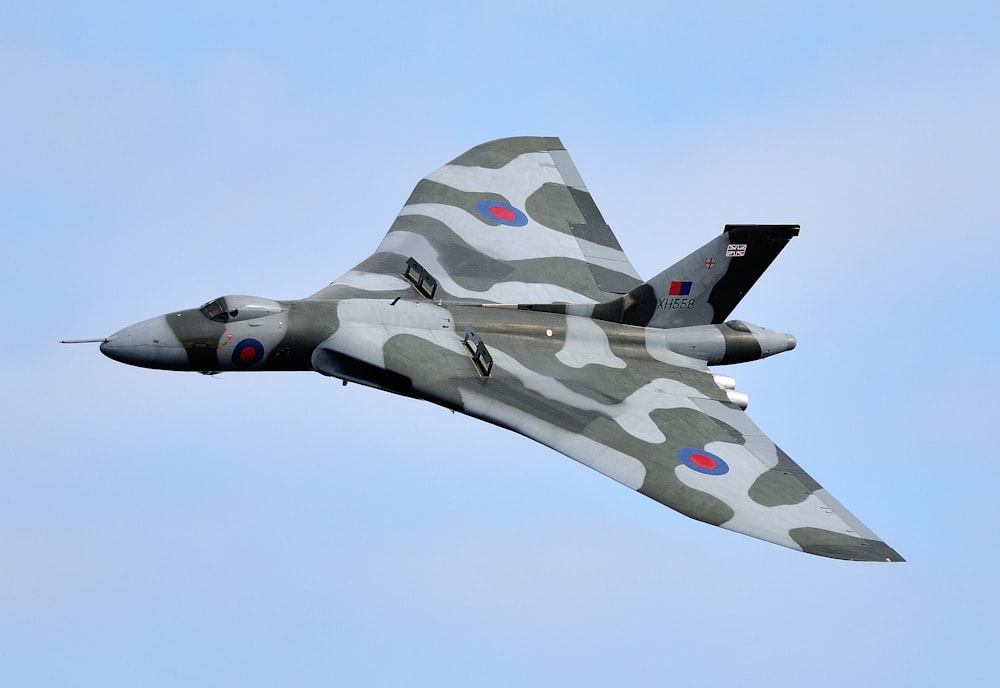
[
  {"x": 671, "y": 434},
  {"x": 730, "y": 474},
  {"x": 509, "y": 221},
  {"x": 677, "y": 440},
  {"x": 617, "y": 399}
]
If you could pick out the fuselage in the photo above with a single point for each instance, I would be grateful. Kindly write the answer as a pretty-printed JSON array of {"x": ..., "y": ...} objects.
[{"x": 244, "y": 333}]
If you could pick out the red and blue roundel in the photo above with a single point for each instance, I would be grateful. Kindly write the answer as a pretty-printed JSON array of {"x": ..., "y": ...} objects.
[
  {"x": 502, "y": 213},
  {"x": 247, "y": 353},
  {"x": 703, "y": 461}
]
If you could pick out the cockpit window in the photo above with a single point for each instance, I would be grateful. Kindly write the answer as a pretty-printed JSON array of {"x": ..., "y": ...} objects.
[
  {"x": 232, "y": 308},
  {"x": 216, "y": 310}
]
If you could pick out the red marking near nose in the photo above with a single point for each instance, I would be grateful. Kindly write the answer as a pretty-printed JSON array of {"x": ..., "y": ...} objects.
[
  {"x": 703, "y": 461},
  {"x": 500, "y": 213}
]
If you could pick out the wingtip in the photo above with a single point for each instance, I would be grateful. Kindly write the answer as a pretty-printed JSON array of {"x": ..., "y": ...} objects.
[
  {"x": 866, "y": 551},
  {"x": 825, "y": 543}
]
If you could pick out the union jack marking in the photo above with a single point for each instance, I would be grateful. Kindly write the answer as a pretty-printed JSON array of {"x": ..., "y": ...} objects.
[{"x": 736, "y": 250}]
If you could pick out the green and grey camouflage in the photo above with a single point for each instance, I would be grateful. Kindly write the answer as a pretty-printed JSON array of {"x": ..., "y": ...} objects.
[{"x": 500, "y": 292}]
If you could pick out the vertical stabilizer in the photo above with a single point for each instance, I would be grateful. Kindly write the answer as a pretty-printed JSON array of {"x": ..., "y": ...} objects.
[{"x": 704, "y": 287}]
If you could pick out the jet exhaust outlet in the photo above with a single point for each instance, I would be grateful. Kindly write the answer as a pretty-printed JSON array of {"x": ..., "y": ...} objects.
[
  {"x": 741, "y": 399},
  {"x": 724, "y": 381}
]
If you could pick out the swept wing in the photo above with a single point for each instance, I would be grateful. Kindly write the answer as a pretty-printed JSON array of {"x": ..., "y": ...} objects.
[{"x": 509, "y": 221}]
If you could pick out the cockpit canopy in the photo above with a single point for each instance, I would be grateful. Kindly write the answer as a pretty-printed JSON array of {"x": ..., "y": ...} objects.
[{"x": 227, "y": 309}]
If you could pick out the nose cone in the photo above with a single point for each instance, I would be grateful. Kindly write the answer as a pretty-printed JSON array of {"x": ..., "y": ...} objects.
[{"x": 149, "y": 344}]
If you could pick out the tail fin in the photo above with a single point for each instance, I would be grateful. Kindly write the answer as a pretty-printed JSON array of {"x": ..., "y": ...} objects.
[{"x": 705, "y": 287}]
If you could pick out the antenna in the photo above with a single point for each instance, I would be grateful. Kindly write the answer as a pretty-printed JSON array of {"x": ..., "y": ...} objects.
[{"x": 83, "y": 341}]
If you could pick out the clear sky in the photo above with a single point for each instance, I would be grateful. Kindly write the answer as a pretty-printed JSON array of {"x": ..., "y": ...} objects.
[{"x": 168, "y": 529}]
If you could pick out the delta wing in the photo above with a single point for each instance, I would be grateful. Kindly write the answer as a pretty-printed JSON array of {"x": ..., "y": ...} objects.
[
  {"x": 617, "y": 399},
  {"x": 509, "y": 221}
]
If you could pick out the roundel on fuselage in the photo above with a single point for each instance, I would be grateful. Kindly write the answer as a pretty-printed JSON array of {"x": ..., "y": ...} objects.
[{"x": 247, "y": 353}]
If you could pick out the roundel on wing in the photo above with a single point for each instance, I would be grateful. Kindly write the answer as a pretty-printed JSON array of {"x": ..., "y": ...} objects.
[
  {"x": 502, "y": 213},
  {"x": 247, "y": 353},
  {"x": 703, "y": 461}
]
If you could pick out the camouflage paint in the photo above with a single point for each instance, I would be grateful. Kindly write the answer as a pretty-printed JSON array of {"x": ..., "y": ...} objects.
[{"x": 586, "y": 358}]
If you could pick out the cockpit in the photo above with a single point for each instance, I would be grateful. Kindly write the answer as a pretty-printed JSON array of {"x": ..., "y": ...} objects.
[{"x": 226, "y": 309}]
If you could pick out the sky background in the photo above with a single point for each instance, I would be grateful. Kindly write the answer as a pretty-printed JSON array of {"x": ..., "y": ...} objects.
[{"x": 166, "y": 529}]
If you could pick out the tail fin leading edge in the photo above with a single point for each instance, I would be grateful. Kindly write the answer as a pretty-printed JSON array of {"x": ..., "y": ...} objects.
[{"x": 704, "y": 287}]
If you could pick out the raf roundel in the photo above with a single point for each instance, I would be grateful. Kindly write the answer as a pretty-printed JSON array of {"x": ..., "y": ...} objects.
[
  {"x": 502, "y": 213},
  {"x": 703, "y": 461},
  {"x": 247, "y": 353}
]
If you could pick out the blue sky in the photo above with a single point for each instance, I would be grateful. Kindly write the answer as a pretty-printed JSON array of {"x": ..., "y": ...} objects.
[{"x": 170, "y": 529}]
